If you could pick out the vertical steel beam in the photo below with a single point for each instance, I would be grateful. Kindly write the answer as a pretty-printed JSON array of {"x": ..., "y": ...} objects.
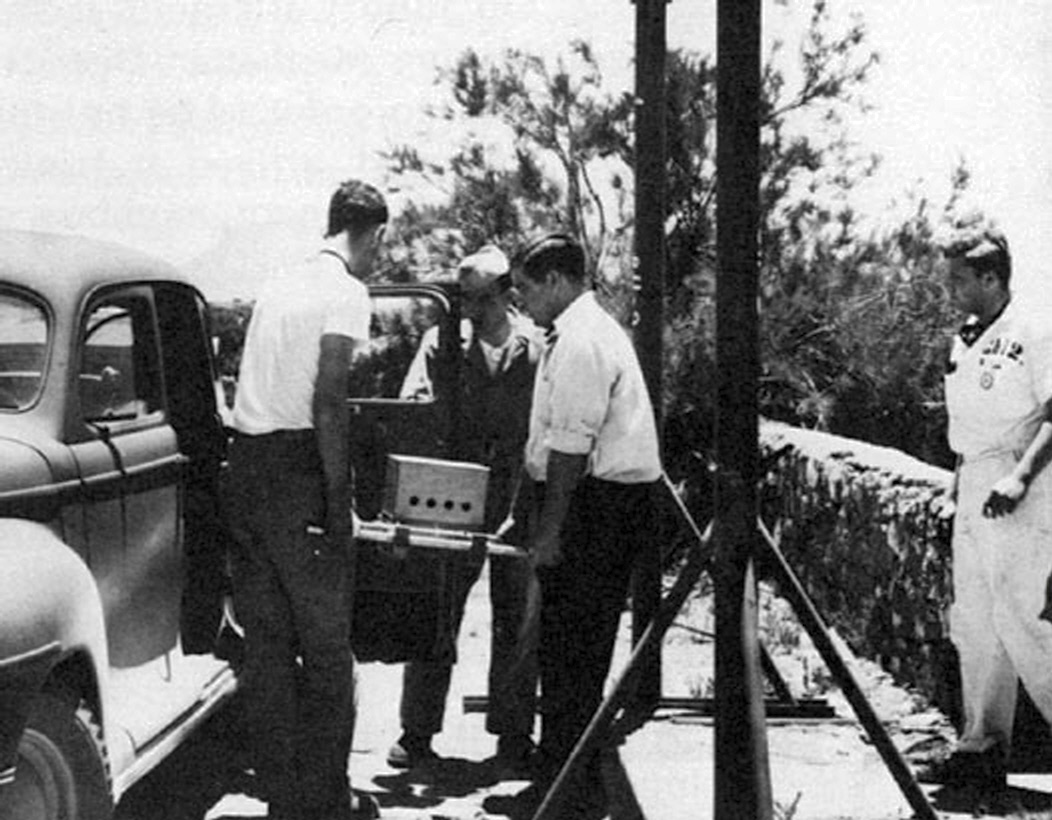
[
  {"x": 649, "y": 236},
  {"x": 742, "y": 774}
]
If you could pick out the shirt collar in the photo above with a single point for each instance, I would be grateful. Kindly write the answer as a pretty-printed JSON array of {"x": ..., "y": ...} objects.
[
  {"x": 573, "y": 312},
  {"x": 330, "y": 250},
  {"x": 973, "y": 328}
]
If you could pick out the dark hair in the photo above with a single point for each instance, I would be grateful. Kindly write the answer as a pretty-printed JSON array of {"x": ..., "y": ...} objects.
[
  {"x": 984, "y": 251},
  {"x": 355, "y": 207},
  {"x": 558, "y": 251}
]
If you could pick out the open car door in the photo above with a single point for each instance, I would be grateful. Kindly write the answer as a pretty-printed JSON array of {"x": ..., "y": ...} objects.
[{"x": 404, "y": 400}]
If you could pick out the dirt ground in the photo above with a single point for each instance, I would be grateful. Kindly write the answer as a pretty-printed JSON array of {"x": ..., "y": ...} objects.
[{"x": 819, "y": 768}]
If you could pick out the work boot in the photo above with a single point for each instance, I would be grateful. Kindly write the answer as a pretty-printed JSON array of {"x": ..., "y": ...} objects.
[
  {"x": 983, "y": 770},
  {"x": 515, "y": 752},
  {"x": 410, "y": 751}
]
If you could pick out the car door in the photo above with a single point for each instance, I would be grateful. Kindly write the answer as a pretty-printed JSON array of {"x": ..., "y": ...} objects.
[
  {"x": 130, "y": 467},
  {"x": 193, "y": 412},
  {"x": 386, "y": 414},
  {"x": 403, "y": 399}
]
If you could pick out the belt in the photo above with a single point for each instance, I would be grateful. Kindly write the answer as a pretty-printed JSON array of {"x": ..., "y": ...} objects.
[
  {"x": 278, "y": 435},
  {"x": 1013, "y": 452}
]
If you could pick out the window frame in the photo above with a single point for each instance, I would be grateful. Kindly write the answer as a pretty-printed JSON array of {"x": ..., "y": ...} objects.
[
  {"x": 423, "y": 292},
  {"x": 37, "y": 301},
  {"x": 146, "y": 341}
]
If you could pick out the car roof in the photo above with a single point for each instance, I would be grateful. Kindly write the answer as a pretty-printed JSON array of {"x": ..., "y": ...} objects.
[{"x": 63, "y": 268}]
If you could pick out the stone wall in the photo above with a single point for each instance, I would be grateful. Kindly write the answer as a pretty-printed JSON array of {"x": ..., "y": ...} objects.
[{"x": 867, "y": 531}]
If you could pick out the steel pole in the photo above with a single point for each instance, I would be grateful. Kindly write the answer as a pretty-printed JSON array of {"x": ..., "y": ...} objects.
[
  {"x": 742, "y": 774},
  {"x": 649, "y": 268}
]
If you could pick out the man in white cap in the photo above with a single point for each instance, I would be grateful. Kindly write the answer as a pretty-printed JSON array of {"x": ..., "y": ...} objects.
[
  {"x": 999, "y": 402},
  {"x": 501, "y": 350}
]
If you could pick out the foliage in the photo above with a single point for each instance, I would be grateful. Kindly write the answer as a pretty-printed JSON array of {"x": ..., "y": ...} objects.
[
  {"x": 852, "y": 325},
  {"x": 552, "y": 118},
  {"x": 860, "y": 350},
  {"x": 228, "y": 324},
  {"x": 845, "y": 319}
]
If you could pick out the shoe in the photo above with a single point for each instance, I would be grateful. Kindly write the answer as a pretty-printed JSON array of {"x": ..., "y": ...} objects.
[
  {"x": 521, "y": 805},
  {"x": 985, "y": 770},
  {"x": 410, "y": 751},
  {"x": 361, "y": 806},
  {"x": 515, "y": 752},
  {"x": 364, "y": 806}
]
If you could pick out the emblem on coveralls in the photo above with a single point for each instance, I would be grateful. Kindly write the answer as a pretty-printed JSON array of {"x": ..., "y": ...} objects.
[{"x": 986, "y": 381}]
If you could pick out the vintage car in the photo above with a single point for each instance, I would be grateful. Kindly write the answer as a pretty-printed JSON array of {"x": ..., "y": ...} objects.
[
  {"x": 111, "y": 569},
  {"x": 114, "y": 593}
]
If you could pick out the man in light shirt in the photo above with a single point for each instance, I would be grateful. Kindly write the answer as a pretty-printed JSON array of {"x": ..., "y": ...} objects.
[
  {"x": 290, "y": 505},
  {"x": 593, "y": 448},
  {"x": 999, "y": 402}
]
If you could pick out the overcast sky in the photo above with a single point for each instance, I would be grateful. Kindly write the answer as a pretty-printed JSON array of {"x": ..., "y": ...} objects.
[{"x": 161, "y": 122}]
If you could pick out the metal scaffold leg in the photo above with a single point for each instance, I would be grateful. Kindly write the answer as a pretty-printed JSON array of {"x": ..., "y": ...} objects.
[{"x": 614, "y": 717}]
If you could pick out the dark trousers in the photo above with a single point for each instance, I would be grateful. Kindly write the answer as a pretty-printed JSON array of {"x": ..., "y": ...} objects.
[
  {"x": 290, "y": 594},
  {"x": 513, "y": 658},
  {"x": 513, "y": 639},
  {"x": 582, "y": 599}
]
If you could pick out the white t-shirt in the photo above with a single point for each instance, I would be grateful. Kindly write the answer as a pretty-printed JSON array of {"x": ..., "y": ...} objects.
[
  {"x": 590, "y": 398},
  {"x": 279, "y": 364},
  {"x": 997, "y": 388}
]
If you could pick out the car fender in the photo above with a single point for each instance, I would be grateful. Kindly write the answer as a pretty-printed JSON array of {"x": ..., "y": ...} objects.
[
  {"x": 47, "y": 593},
  {"x": 49, "y": 604}
]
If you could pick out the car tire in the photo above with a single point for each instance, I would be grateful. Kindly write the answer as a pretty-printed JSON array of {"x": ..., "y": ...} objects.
[{"x": 62, "y": 773}]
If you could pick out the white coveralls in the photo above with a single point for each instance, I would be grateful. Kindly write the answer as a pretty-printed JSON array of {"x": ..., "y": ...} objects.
[{"x": 996, "y": 390}]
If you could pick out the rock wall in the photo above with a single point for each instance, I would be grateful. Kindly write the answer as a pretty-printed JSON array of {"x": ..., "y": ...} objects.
[{"x": 867, "y": 531}]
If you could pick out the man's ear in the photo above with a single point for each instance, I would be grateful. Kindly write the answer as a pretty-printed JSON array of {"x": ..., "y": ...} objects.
[{"x": 990, "y": 280}]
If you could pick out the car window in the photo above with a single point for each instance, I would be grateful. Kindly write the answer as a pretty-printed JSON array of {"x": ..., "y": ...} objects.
[
  {"x": 403, "y": 334},
  {"x": 23, "y": 351},
  {"x": 119, "y": 366}
]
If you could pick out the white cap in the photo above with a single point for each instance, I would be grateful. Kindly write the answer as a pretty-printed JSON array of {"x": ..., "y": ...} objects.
[{"x": 483, "y": 268}]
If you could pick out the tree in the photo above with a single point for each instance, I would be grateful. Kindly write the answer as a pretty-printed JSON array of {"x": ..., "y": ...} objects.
[
  {"x": 561, "y": 129},
  {"x": 860, "y": 345},
  {"x": 845, "y": 316}
]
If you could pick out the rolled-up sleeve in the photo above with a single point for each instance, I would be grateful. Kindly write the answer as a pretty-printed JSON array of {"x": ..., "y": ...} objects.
[{"x": 579, "y": 400}]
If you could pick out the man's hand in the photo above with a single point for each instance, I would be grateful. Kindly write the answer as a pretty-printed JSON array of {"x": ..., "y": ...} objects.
[
  {"x": 338, "y": 527},
  {"x": 545, "y": 551},
  {"x": 1006, "y": 494},
  {"x": 1004, "y": 497}
]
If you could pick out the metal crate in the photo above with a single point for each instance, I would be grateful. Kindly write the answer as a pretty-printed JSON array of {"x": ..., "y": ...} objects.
[{"x": 435, "y": 492}]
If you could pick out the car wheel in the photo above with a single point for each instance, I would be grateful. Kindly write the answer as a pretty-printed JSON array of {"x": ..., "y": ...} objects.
[{"x": 61, "y": 771}]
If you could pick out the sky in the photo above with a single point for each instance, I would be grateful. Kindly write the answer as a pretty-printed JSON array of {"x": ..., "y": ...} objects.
[{"x": 166, "y": 124}]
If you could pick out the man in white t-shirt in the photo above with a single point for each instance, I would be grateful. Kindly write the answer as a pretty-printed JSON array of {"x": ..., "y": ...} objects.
[
  {"x": 290, "y": 504},
  {"x": 999, "y": 401}
]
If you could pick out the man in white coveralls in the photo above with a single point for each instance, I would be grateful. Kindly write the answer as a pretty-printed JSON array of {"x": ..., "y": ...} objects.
[{"x": 999, "y": 401}]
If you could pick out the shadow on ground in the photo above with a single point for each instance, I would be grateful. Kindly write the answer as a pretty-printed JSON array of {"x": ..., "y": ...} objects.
[
  {"x": 201, "y": 772},
  {"x": 209, "y": 776},
  {"x": 1010, "y": 802},
  {"x": 430, "y": 786}
]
